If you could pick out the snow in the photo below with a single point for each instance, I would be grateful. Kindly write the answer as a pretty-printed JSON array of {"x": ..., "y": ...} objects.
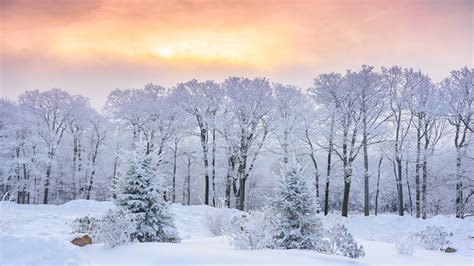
[{"x": 40, "y": 235}]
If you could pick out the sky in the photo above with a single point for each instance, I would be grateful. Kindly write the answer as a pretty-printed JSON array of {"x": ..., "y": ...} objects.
[{"x": 91, "y": 47}]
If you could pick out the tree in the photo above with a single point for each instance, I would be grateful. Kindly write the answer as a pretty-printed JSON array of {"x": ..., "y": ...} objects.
[
  {"x": 53, "y": 108},
  {"x": 297, "y": 224},
  {"x": 367, "y": 85},
  {"x": 249, "y": 103},
  {"x": 398, "y": 84},
  {"x": 141, "y": 194},
  {"x": 323, "y": 93},
  {"x": 288, "y": 116},
  {"x": 202, "y": 100},
  {"x": 458, "y": 92}
]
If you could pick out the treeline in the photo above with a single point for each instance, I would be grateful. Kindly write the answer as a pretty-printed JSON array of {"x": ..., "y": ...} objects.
[{"x": 381, "y": 141}]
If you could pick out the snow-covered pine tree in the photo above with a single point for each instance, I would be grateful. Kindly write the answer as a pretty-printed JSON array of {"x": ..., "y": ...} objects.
[
  {"x": 297, "y": 224},
  {"x": 141, "y": 193}
]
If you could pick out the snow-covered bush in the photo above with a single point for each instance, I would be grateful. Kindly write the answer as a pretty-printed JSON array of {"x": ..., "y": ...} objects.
[
  {"x": 433, "y": 237},
  {"x": 405, "y": 245},
  {"x": 295, "y": 207},
  {"x": 8, "y": 223},
  {"x": 219, "y": 221},
  {"x": 252, "y": 231},
  {"x": 85, "y": 225},
  {"x": 341, "y": 242},
  {"x": 115, "y": 228},
  {"x": 141, "y": 193}
]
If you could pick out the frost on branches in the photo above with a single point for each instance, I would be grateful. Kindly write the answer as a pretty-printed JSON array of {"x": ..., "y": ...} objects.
[
  {"x": 297, "y": 224},
  {"x": 342, "y": 243},
  {"x": 115, "y": 228},
  {"x": 141, "y": 193},
  {"x": 434, "y": 237},
  {"x": 252, "y": 230}
]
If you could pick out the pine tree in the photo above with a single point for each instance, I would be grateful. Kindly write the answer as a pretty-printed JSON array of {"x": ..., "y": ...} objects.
[
  {"x": 141, "y": 193},
  {"x": 297, "y": 224}
]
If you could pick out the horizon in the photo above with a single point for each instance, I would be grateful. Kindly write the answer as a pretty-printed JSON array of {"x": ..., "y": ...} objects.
[{"x": 93, "y": 47}]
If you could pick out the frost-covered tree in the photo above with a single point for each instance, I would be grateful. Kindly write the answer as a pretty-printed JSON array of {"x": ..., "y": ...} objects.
[
  {"x": 202, "y": 100},
  {"x": 297, "y": 224},
  {"x": 141, "y": 193},
  {"x": 458, "y": 92},
  {"x": 249, "y": 102}
]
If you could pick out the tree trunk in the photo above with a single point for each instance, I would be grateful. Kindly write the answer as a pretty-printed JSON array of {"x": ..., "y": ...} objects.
[
  {"x": 242, "y": 194},
  {"x": 378, "y": 186},
  {"x": 425, "y": 172},
  {"x": 214, "y": 167},
  {"x": 48, "y": 175},
  {"x": 345, "y": 200},
  {"x": 366, "y": 169},
  {"x": 175, "y": 156},
  {"x": 408, "y": 187},
  {"x": 229, "y": 178},
  {"x": 400, "y": 187},
  {"x": 205, "y": 149},
  {"x": 459, "y": 186},
  {"x": 94, "y": 159},
  {"x": 328, "y": 170},
  {"x": 188, "y": 182},
  {"x": 417, "y": 171}
]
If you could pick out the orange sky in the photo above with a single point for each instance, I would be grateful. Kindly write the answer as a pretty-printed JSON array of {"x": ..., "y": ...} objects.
[{"x": 92, "y": 47}]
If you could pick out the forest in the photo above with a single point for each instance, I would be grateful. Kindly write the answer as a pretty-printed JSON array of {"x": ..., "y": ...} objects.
[{"x": 388, "y": 140}]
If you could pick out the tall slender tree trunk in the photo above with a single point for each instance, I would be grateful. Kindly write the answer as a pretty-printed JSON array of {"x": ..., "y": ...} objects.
[
  {"x": 188, "y": 182},
  {"x": 48, "y": 175},
  {"x": 213, "y": 167},
  {"x": 398, "y": 164},
  {"x": 242, "y": 194},
  {"x": 459, "y": 185},
  {"x": 417, "y": 170},
  {"x": 400, "y": 186},
  {"x": 408, "y": 187},
  {"x": 329, "y": 164},
  {"x": 378, "y": 186},
  {"x": 175, "y": 157},
  {"x": 366, "y": 167},
  {"x": 346, "y": 173},
  {"x": 425, "y": 172},
  {"x": 229, "y": 177},
  {"x": 205, "y": 151}
]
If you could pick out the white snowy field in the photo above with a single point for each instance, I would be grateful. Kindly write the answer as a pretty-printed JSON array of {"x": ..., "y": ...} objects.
[{"x": 40, "y": 235}]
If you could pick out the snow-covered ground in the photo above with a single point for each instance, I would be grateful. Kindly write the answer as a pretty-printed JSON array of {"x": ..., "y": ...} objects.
[{"x": 40, "y": 235}]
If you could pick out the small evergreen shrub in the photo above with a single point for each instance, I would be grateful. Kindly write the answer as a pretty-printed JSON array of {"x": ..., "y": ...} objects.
[
  {"x": 294, "y": 209},
  {"x": 141, "y": 194}
]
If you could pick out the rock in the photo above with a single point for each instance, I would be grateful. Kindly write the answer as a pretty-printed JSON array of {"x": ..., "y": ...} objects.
[
  {"x": 450, "y": 250},
  {"x": 82, "y": 241}
]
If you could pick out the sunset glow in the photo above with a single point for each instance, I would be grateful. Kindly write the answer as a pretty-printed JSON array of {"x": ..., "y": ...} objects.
[{"x": 169, "y": 41}]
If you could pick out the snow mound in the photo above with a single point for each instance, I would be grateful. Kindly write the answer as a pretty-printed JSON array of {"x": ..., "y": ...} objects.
[
  {"x": 27, "y": 250},
  {"x": 191, "y": 220}
]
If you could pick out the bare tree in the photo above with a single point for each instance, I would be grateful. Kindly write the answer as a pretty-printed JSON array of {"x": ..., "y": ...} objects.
[{"x": 457, "y": 90}]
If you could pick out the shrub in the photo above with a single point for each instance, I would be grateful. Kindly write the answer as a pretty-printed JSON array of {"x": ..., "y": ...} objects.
[
  {"x": 84, "y": 225},
  {"x": 252, "y": 231},
  {"x": 405, "y": 245},
  {"x": 115, "y": 228},
  {"x": 218, "y": 222},
  {"x": 433, "y": 237},
  {"x": 341, "y": 242}
]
